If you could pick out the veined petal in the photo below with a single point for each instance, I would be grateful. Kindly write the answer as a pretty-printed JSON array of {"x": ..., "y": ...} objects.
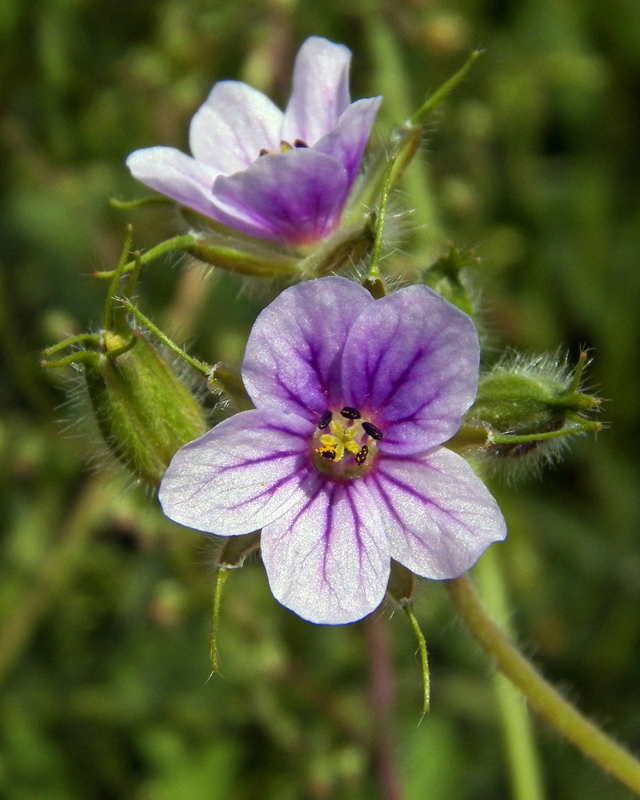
[
  {"x": 320, "y": 92},
  {"x": 293, "y": 357},
  {"x": 241, "y": 475},
  {"x": 175, "y": 175},
  {"x": 411, "y": 361},
  {"x": 439, "y": 516},
  {"x": 231, "y": 127},
  {"x": 294, "y": 197},
  {"x": 347, "y": 140},
  {"x": 327, "y": 558}
]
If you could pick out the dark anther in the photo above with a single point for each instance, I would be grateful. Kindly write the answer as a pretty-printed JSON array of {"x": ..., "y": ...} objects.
[
  {"x": 325, "y": 419},
  {"x": 263, "y": 151},
  {"x": 350, "y": 413},
  {"x": 328, "y": 452},
  {"x": 374, "y": 433},
  {"x": 361, "y": 457},
  {"x": 300, "y": 143}
]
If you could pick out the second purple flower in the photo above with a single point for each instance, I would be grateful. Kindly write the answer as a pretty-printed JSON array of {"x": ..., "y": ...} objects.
[{"x": 283, "y": 177}]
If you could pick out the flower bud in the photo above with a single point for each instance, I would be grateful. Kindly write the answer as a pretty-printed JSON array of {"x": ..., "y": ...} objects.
[
  {"x": 525, "y": 407},
  {"x": 143, "y": 410}
]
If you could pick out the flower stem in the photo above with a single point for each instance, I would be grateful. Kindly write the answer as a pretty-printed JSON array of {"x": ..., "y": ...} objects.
[
  {"x": 381, "y": 701},
  {"x": 221, "y": 578},
  {"x": 169, "y": 246},
  {"x": 546, "y": 700},
  {"x": 374, "y": 269},
  {"x": 424, "y": 658},
  {"x": 200, "y": 366},
  {"x": 522, "y": 756}
]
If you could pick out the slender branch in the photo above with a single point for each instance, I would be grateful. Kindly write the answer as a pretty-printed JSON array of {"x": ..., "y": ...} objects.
[
  {"x": 520, "y": 745},
  {"x": 546, "y": 700},
  {"x": 423, "y": 113},
  {"x": 424, "y": 658},
  {"x": 374, "y": 269},
  {"x": 170, "y": 246},
  {"x": 221, "y": 578},
  {"x": 203, "y": 369}
]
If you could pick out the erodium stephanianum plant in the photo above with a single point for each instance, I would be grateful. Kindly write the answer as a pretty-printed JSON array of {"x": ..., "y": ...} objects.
[
  {"x": 282, "y": 177},
  {"x": 341, "y": 463}
]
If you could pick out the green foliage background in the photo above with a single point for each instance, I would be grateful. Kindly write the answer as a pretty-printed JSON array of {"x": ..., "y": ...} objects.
[{"x": 104, "y": 605}]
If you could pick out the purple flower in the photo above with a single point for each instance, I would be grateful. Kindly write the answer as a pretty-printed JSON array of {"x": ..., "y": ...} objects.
[
  {"x": 340, "y": 463},
  {"x": 283, "y": 177}
]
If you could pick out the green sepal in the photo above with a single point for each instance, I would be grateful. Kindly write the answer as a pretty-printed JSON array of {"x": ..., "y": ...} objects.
[{"x": 245, "y": 259}]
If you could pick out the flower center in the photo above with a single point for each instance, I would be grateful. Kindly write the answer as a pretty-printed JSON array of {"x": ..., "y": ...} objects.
[
  {"x": 344, "y": 445},
  {"x": 284, "y": 147}
]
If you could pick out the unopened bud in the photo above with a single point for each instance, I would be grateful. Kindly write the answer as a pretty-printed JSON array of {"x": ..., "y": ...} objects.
[
  {"x": 525, "y": 407},
  {"x": 143, "y": 410}
]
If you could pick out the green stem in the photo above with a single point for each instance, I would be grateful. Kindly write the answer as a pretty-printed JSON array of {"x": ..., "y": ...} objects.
[
  {"x": 170, "y": 246},
  {"x": 92, "y": 338},
  {"x": 546, "y": 700},
  {"x": 425, "y": 111},
  {"x": 73, "y": 358},
  {"x": 203, "y": 369},
  {"x": 522, "y": 756},
  {"x": 582, "y": 426},
  {"x": 107, "y": 316},
  {"x": 221, "y": 578},
  {"x": 374, "y": 269},
  {"x": 424, "y": 658}
]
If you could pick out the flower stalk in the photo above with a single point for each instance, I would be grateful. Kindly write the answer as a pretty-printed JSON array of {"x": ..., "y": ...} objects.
[{"x": 547, "y": 701}]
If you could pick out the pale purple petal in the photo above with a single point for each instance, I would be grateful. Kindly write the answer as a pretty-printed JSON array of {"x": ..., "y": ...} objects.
[
  {"x": 347, "y": 140},
  {"x": 235, "y": 122},
  {"x": 320, "y": 92},
  {"x": 243, "y": 474},
  {"x": 327, "y": 559},
  {"x": 293, "y": 357},
  {"x": 440, "y": 517},
  {"x": 411, "y": 364},
  {"x": 175, "y": 175},
  {"x": 295, "y": 197}
]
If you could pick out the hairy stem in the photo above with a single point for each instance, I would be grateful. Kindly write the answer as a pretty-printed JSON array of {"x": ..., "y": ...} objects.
[
  {"x": 522, "y": 756},
  {"x": 546, "y": 700}
]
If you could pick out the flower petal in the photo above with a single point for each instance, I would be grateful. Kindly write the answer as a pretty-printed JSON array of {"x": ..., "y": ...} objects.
[
  {"x": 293, "y": 356},
  {"x": 175, "y": 175},
  {"x": 320, "y": 91},
  {"x": 294, "y": 197},
  {"x": 241, "y": 475},
  {"x": 439, "y": 516},
  {"x": 411, "y": 362},
  {"x": 347, "y": 140},
  {"x": 327, "y": 559},
  {"x": 231, "y": 127}
]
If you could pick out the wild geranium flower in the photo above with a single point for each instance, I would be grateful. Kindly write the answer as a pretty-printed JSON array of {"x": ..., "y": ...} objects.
[
  {"x": 282, "y": 177},
  {"x": 340, "y": 463}
]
